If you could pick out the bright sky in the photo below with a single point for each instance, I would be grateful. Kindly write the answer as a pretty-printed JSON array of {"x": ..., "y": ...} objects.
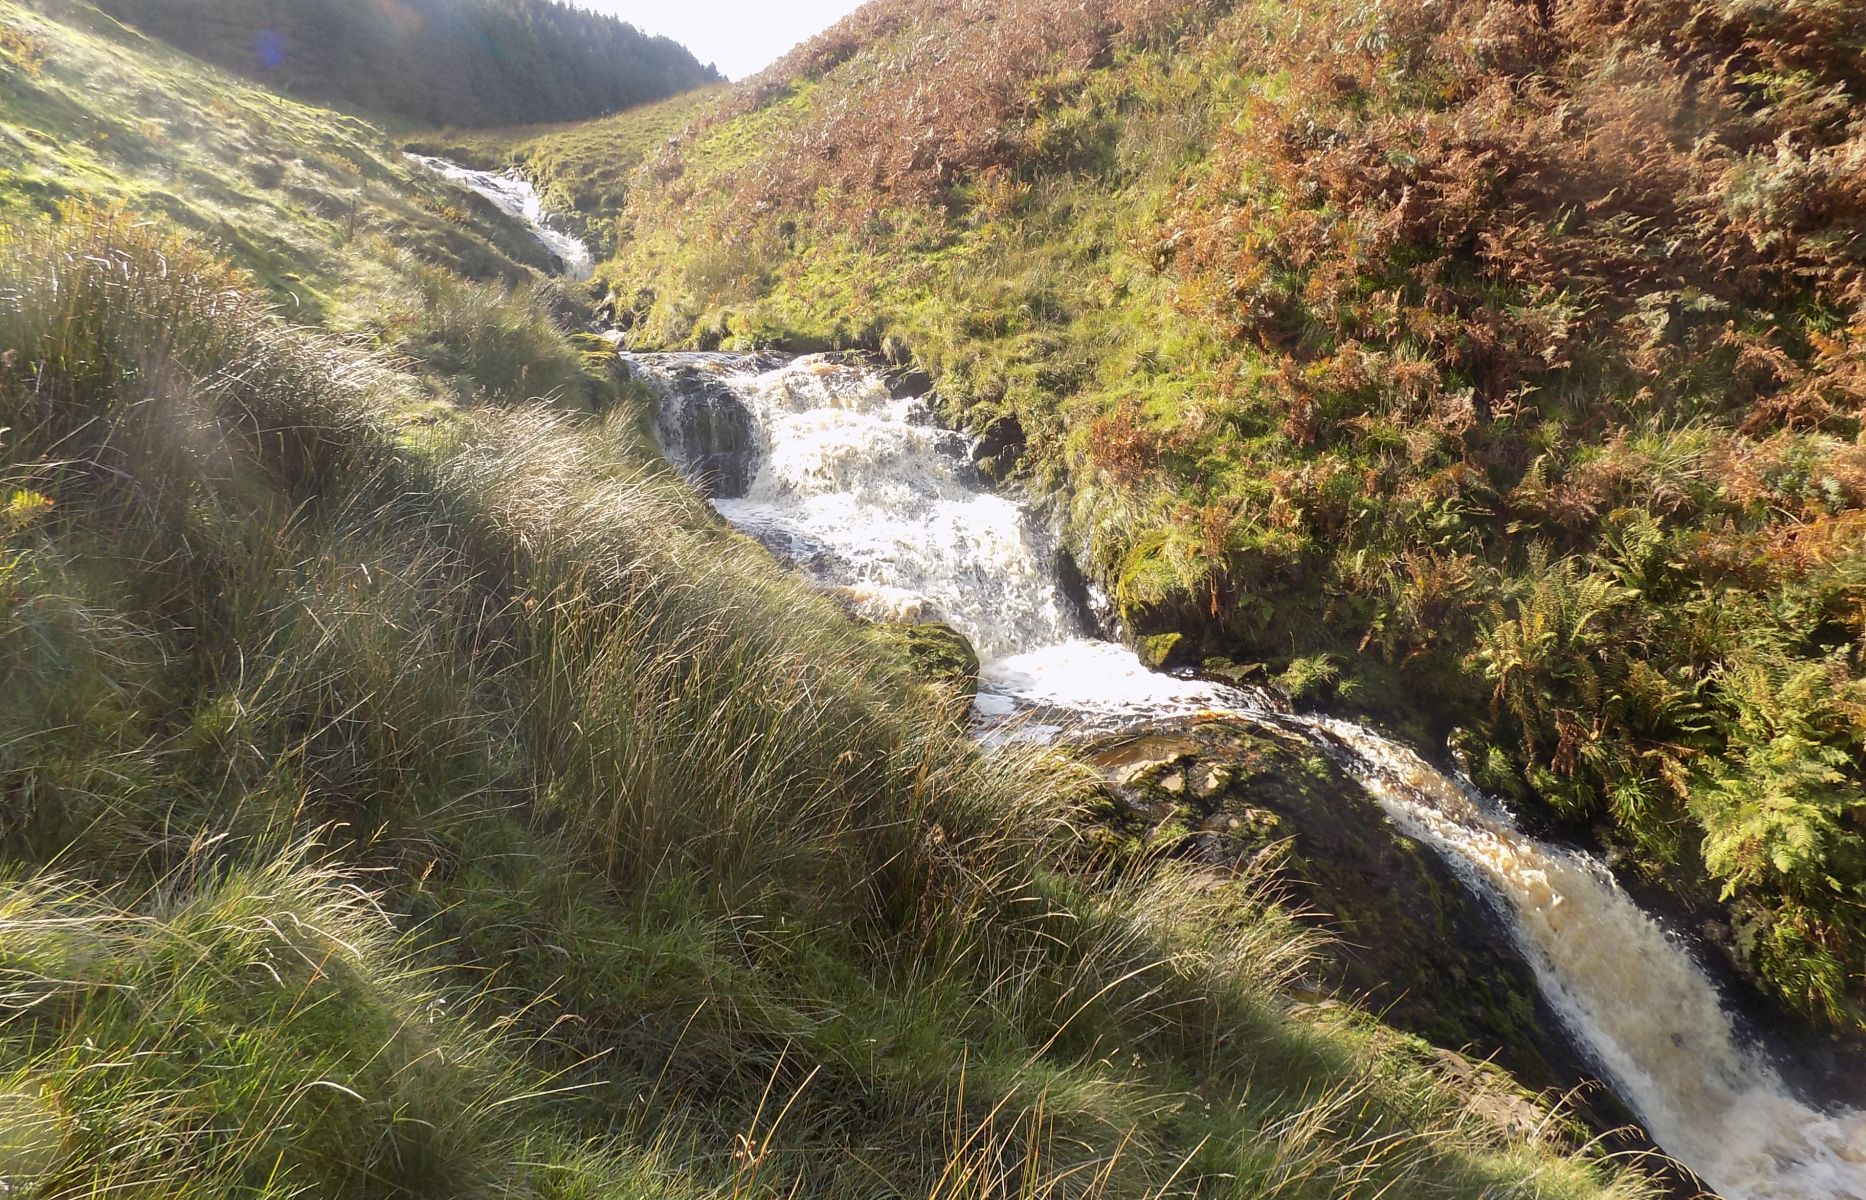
[{"x": 740, "y": 37}]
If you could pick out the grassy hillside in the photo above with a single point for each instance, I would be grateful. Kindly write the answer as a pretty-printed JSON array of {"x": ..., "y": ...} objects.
[
  {"x": 408, "y": 789},
  {"x": 309, "y": 200},
  {"x": 1496, "y": 367},
  {"x": 432, "y": 62}
]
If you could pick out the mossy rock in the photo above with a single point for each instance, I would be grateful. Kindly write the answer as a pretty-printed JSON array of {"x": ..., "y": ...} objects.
[
  {"x": 1159, "y": 650},
  {"x": 938, "y": 654},
  {"x": 1409, "y": 937},
  {"x": 943, "y": 655}
]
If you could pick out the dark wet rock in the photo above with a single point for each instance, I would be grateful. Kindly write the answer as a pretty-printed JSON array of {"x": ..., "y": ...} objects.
[
  {"x": 1209, "y": 779},
  {"x": 709, "y": 433},
  {"x": 909, "y": 384},
  {"x": 1236, "y": 674},
  {"x": 998, "y": 448},
  {"x": 1132, "y": 760},
  {"x": 1076, "y": 590}
]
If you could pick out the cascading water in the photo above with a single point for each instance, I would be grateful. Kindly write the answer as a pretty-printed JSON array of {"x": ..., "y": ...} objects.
[
  {"x": 862, "y": 492},
  {"x": 513, "y": 195},
  {"x": 1635, "y": 996}
]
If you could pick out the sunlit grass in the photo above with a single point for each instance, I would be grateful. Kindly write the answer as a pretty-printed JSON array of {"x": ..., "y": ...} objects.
[
  {"x": 1333, "y": 336},
  {"x": 436, "y": 801}
]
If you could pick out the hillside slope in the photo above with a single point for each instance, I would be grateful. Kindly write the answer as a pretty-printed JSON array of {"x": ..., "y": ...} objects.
[
  {"x": 432, "y": 62},
  {"x": 408, "y": 789},
  {"x": 310, "y": 200},
  {"x": 1494, "y": 367}
]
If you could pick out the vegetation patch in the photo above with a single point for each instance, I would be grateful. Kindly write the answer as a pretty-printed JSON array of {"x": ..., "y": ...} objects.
[
  {"x": 584, "y": 170},
  {"x": 436, "y": 801},
  {"x": 312, "y": 202},
  {"x": 1501, "y": 361}
]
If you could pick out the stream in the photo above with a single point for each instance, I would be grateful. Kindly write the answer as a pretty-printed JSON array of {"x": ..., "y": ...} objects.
[
  {"x": 865, "y": 494},
  {"x": 862, "y": 492},
  {"x": 512, "y": 194}
]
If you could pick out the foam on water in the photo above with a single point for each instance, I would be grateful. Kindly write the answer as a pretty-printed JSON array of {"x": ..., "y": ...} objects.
[
  {"x": 862, "y": 492},
  {"x": 514, "y": 196},
  {"x": 865, "y": 493},
  {"x": 1635, "y": 995},
  {"x": 1085, "y": 686}
]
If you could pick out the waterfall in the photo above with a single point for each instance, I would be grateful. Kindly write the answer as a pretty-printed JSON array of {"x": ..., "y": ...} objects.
[
  {"x": 513, "y": 195},
  {"x": 1633, "y": 994},
  {"x": 862, "y": 492}
]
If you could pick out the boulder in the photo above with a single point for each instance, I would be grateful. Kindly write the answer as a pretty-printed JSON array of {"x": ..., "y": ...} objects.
[
  {"x": 1160, "y": 649},
  {"x": 945, "y": 656},
  {"x": 1128, "y": 761},
  {"x": 938, "y": 654},
  {"x": 998, "y": 448}
]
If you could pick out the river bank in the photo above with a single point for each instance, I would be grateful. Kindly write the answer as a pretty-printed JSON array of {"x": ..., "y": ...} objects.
[{"x": 859, "y": 489}]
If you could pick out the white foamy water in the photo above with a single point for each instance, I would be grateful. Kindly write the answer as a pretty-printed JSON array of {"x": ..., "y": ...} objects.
[
  {"x": 1636, "y": 997},
  {"x": 1086, "y": 686},
  {"x": 861, "y": 492},
  {"x": 514, "y": 196},
  {"x": 864, "y": 493}
]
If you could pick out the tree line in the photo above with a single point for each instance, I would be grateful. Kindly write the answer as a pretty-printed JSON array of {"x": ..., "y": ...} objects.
[{"x": 438, "y": 62}]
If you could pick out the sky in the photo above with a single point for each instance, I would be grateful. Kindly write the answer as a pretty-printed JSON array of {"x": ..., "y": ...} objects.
[{"x": 740, "y": 37}]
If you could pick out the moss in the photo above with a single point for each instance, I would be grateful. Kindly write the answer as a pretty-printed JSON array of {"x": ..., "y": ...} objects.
[
  {"x": 938, "y": 654},
  {"x": 944, "y": 655},
  {"x": 1160, "y": 649}
]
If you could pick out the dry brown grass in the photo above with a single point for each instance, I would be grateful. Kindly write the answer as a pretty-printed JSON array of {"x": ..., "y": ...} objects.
[
  {"x": 1458, "y": 200},
  {"x": 943, "y": 106}
]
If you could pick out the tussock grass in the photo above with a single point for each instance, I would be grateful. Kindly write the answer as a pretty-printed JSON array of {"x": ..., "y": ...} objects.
[
  {"x": 496, "y": 342},
  {"x": 426, "y": 800},
  {"x": 246, "y": 1031}
]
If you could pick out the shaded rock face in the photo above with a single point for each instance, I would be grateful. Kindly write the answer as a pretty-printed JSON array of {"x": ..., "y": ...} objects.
[
  {"x": 707, "y": 430},
  {"x": 998, "y": 448},
  {"x": 1409, "y": 938}
]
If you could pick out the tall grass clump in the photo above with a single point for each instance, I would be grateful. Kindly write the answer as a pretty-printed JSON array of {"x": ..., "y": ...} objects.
[
  {"x": 246, "y": 1031},
  {"x": 419, "y": 800},
  {"x": 496, "y": 341}
]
